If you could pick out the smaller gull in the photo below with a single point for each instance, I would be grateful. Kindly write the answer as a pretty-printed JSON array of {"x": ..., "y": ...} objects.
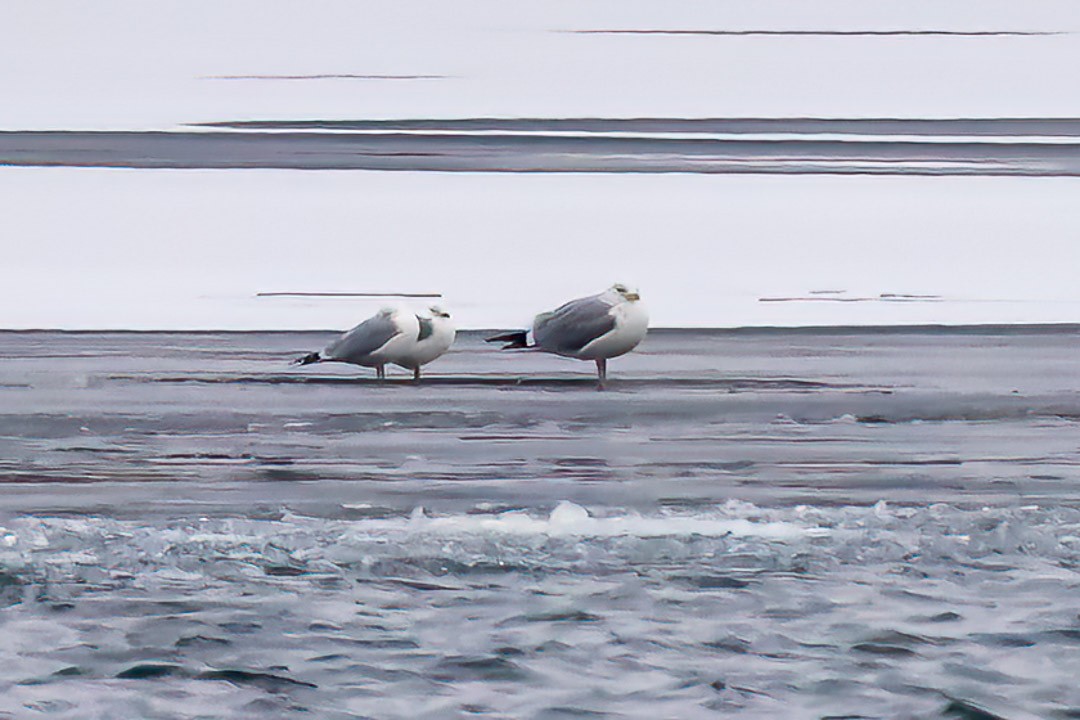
[
  {"x": 383, "y": 338},
  {"x": 434, "y": 338},
  {"x": 596, "y": 328}
]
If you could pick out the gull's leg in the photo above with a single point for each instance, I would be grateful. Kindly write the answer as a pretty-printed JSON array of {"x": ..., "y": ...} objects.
[
  {"x": 601, "y": 371},
  {"x": 416, "y": 374},
  {"x": 380, "y": 372}
]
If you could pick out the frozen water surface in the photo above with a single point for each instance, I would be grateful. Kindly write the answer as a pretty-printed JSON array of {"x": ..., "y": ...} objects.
[{"x": 755, "y": 523}]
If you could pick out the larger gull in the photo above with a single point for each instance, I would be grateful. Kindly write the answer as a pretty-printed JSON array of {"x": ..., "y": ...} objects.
[
  {"x": 597, "y": 328},
  {"x": 383, "y": 338}
]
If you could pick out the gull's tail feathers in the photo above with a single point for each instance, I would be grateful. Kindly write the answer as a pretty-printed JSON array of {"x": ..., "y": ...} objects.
[
  {"x": 308, "y": 359},
  {"x": 514, "y": 340}
]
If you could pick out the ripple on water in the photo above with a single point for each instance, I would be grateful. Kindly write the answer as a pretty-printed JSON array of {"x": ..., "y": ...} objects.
[
  {"x": 725, "y": 606},
  {"x": 493, "y": 668}
]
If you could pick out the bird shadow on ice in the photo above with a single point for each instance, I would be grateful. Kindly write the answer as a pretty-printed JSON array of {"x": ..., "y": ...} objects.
[{"x": 504, "y": 381}]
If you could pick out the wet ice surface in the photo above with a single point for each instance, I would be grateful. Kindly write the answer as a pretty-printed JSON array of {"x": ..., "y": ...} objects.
[
  {"x": 969, "y": 153},
  {"x": 762, "y": 524}
]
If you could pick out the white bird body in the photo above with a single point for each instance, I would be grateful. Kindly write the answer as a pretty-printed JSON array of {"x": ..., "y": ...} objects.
[
  {"x": 384, "y": 338},
  {"x": 597, "y": 327},
  {"x": 372, "y": 343},
  {"x": 631, "y": 325},
  {"x": 435, "y": 336}
]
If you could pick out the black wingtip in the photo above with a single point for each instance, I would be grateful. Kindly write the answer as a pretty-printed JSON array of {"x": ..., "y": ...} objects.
[
  {"x": 513, "y": 340},
  {"x": 308, "y": 359}
]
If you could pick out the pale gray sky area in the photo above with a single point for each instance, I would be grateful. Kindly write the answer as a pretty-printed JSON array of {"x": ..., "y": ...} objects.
[
  {"x": 98, "y": 248},
  {"x": 124, "y": 64},
  {"x": 134, "y": 64}
]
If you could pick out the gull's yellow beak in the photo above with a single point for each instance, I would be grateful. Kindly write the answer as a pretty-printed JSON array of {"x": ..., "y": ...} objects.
[{"x": 632, "y": 296}]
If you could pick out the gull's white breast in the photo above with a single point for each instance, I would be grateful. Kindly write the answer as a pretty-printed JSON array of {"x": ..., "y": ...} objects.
[
  {"x": 631, "y": 324},
  {"x": 433, "y": 346}
]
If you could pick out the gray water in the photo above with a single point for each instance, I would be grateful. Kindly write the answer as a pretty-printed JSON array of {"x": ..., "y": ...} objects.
[
  {"x": 978, "y": 127},
  {"x": 798, "y": 524},
  {"x": 979, "y": 147}
]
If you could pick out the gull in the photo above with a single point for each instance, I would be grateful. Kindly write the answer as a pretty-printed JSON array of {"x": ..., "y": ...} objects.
[
  {"x": 383, "y": 338},
  {"x": 597, "y": 327},
  {"x": 435, "y": 336}
]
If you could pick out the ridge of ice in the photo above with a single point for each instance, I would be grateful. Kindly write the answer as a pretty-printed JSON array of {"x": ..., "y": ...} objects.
[{"x": 568, "y": 519}]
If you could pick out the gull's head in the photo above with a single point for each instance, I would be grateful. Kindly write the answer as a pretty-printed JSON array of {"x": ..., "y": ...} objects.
[
  {"x": 625, "y": 292},
  {"x": 437, "y": 311}
]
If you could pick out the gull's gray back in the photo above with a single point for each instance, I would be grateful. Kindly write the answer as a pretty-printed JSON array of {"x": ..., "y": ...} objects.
[
  {"x": 364, "y": 339},
  {"x": 574, "y": 325}
]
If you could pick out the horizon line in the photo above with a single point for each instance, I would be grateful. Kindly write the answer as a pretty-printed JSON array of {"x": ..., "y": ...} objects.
[
  {"x": 1038, "y": 326},
  {"x": 825, "y": 33},
  {"x": 347, "y": 294}
]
